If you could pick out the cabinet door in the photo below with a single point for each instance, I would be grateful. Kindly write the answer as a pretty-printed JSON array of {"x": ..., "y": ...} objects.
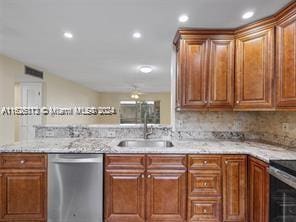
[
  {"x": 255, "y": 71},
  {"x": 221, "y": 74},
  {"x": 194, "y": 73},
  {"x": 166, "y": 195},
  {"x": 234, "y": 188},
  {"x": 286, "y": 63},
  {"x": 124, "y": 195},
  {"x": 23, "y": 195},
  {"x": 258, "y": 191}
]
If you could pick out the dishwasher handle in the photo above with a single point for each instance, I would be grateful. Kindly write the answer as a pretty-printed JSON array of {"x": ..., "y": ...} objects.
[{"x": 77, "y": 160}]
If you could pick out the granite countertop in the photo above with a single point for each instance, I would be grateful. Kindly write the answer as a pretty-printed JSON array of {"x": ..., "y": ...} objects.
[{"x": 262, "y": 151}]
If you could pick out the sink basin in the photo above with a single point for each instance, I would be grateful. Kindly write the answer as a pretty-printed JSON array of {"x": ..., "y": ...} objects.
[{"x": 145, "y": 143}]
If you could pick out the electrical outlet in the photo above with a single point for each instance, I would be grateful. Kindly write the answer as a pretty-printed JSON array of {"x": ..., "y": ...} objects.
[
  {"x": 285, "y": 127},
  {"x": 49, "y": 134},
  {"x": 111, "y": 134},
  {"x": 180, "y": 123}
]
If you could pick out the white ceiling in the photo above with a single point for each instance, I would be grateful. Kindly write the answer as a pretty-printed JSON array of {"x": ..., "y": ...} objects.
[{"x": 103, "y": 55}]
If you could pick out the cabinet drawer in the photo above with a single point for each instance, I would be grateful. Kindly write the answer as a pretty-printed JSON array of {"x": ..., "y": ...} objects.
[
  {"x": 205, "y": 183},
  {"x": 208, "y": 162},
  {"x": 23, "y": 161},
  {"x": 125, "y": 161},
  {"x": 166, "y": 162},
  {"x": 205, "y": 209}
]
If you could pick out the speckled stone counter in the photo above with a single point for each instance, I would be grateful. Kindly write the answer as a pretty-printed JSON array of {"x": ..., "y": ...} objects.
[{"x": 262, "y": 151}]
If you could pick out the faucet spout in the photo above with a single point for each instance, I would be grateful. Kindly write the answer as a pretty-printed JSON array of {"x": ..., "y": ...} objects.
[{"x": 146, "y": 132}]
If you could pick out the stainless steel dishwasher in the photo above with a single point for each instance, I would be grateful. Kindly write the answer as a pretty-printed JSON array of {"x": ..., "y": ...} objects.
[{"x": 75, "y": 188}]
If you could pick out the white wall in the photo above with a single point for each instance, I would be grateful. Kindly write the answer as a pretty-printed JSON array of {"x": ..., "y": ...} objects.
[
  {"x": 57, "y": 92},
  {"x": 8, "y": 70}
]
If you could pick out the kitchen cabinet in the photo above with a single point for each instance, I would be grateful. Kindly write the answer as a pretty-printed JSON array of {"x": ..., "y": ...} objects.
[
  {"x": 204, "y": 188},
  {"x": 125, "y": 188},
  {"x": 166, "y": 188},
  {"x": 221, "y": 74},
  {"x": 264, "y": 77},
  {"x": 234, "y": 188},
  {"x": 193, "y": 73},
  {"x": 205, "y": 70},
  {"x": 145, "y": 188},
  {"x": 23, "y": 187},
  {"x": 258, "y": 190},
  {"x": 286, "y": 62},
  {"x": 254, "y": 73}
]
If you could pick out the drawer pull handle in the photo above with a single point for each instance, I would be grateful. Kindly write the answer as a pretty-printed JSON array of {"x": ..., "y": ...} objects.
[{"x": 22, "y": 161}]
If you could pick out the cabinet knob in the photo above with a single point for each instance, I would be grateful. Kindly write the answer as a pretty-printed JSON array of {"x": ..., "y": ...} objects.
[
  {"x": 22, "y": 161},
  {"x": 205, "y": 184},
  {"x": 204, "y": 210},
  {"x": 237, "y": 102},
  {"x": 205, "y": 102},
  {"x": 226, "y": 162},
  {"x": 205, "y": 162},
  {"x": 143, "y": 176},
  {"x": 149, "y": 176}
]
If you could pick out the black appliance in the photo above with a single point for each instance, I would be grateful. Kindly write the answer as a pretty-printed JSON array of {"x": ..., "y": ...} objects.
[{"x": 282, "y": 191}]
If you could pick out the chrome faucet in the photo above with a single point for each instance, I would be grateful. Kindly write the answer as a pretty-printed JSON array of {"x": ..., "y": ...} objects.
[{"x": 146, "y": 133}]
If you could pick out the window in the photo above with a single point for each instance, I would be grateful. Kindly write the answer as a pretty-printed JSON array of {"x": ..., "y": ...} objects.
[{"x": 132, "y": 112}]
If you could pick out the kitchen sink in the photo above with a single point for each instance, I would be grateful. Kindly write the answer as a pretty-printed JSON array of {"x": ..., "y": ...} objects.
[{"x": 145, "y": 143}]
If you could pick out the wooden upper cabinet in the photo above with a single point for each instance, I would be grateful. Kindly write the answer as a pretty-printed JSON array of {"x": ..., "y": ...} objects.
[
  {"x": 254, "y": 70},
  {"x": 194, "y": 53},
  {"x": 258, "y": 191},
  {"x": 234, "y": 188},
  {"x": 286, "y": 63},
  {"x": 221, "y": 74},
  {"x": 205, "y": 71}
]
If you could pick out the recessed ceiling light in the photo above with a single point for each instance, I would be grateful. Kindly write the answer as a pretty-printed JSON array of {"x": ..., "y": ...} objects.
[
  {"x": 146, "y": 69},
  {"x": 68, "y": 35},
  {"x": 183, "y": 18},
  {"x": 137, "y": 35},
  {"x": 248, "y": 15}
]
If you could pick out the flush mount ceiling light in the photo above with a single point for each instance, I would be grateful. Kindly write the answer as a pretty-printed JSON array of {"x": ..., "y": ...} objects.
[
  {"x": 145, "y": 69},
  {"x": 183, "y": 18},
  {"x": 68, "y": 35},
  {"x": 248, "y": 15},
  {"x": 137, "y": 35}
]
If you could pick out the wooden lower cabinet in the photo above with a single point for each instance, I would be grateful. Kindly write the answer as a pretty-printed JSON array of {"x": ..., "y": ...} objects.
[
  {"x": 258, "y": 191},
  {"x": 204, "y": 188},
  {"x": 179, "y": 188},
  {"x": 125, "y": 196},
  {"x": 145, "y": 188},
  {"x": 234, "y": 188},
  {"x": 23, "y": 187},
  {"x": 166, "y": 195},
  {"x": 125, "y": 188},
  {"x": 23, "y": 195}
]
